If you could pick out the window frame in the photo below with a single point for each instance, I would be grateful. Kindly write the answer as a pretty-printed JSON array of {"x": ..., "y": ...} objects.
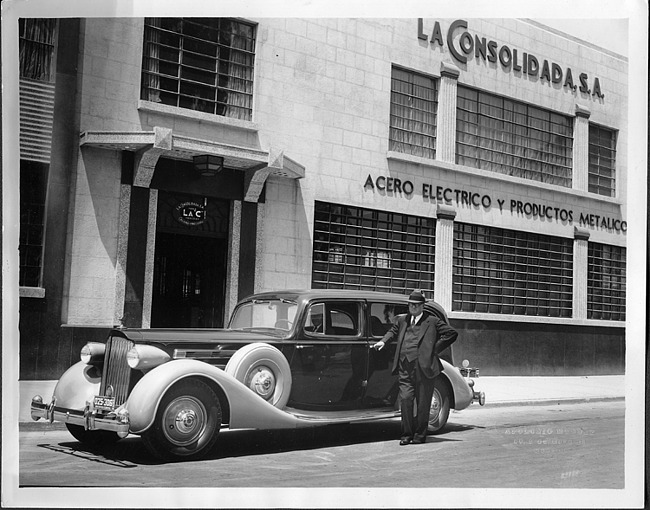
[
  {"x": 597, "y": 153},
  {"x": 503, "y": 282},
  {"x": 175, "y": 73},
  {"x": 34, "y": 225},
  {"x": 343, "y": 235},
  {"x": 408, "y": 132},
  {"x": 615, "y": 260},
  {"x": 494, "y": 133},
  {"x": 28, "y": 46}
]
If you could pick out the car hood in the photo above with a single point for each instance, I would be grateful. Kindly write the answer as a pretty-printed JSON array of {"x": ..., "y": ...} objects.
[{"x": 182, "y": 336}]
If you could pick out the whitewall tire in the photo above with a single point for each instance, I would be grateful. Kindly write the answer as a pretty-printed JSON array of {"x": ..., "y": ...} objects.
[{"x": 264, "y": 370}]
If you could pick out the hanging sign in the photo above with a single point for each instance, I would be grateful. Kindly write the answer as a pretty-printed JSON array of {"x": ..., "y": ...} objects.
[{"x": 190, "y": 213}]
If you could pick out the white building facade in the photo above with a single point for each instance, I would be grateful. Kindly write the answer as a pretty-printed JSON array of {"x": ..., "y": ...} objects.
[{"x": 483, "y": 161}]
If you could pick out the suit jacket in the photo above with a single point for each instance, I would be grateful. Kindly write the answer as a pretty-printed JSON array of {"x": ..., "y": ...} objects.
[{"x": 434, "y": 336}]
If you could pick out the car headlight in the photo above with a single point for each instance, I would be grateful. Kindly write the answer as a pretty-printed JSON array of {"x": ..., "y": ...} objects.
[
  {"x": 92, "y": 353},
  {"x": 144, "y": 357}
]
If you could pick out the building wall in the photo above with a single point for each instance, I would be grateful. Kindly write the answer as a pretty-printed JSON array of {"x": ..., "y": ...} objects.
[
  {"x": 322, "y": 92},
  {"x": 333, "y": 113},
  {"x": 529, "y": 349},
  {"x": 91, "y": 294},
  {"x": 333, "y": 110}
]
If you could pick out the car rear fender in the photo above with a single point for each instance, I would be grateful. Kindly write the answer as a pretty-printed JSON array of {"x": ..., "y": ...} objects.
[
  {"x": 78, "y": 385},
  {"x": 247, "y": 410},
  {"x": 463, "y": 394}
]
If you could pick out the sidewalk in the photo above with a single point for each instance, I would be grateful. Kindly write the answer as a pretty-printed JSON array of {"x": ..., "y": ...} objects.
[
  {"x": 537, "y": 390},
  {"x": 499, "y": 391}
]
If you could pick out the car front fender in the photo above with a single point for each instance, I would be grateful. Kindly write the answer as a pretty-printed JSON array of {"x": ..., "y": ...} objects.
[
  {"x": 247, "y": 410},
  {"x": 463, "y": 394},
  {"x": 78, "y": 385}
]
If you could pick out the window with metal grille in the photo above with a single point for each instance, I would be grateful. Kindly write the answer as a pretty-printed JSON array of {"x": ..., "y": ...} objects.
[
  {"x": 602, "y": 160},
  {"x": 37, "y": 39},
  {"x": 508, "y": 272},
  {"x": 36, "y": 48},
  {"x": 501, "y": 135},
  {"x": 33, "y": 185},
  {"x": 367, "y": 249},
  {"x": 202, "y": 64},
  {"x": 606, "y": 282},
  {"x": 413, "y": 107}
]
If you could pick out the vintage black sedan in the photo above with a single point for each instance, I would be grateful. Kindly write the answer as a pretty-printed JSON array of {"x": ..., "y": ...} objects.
[{"x": 288, "y": 359}]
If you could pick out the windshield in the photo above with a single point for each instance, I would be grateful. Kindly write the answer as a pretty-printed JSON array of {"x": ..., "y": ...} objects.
[{"x": 268, "y": 313}]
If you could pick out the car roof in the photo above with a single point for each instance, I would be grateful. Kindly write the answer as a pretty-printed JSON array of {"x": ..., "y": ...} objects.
[{"x": 370, "y": 295}]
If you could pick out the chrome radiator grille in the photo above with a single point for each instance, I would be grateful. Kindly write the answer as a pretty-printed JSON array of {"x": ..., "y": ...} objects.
[{"x": 117, "y": 372}]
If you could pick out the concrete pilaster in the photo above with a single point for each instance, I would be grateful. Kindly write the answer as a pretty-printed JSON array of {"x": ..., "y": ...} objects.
[
  {"x": 444, "y": 260},
  {"x": 147, "y": 295},
  {"x": 446, "y": 122},
  {"x": 122, "y": 249},
  {"x": 580, "y": 255},
  {"x": 581, "y": 149},
  {"x": 232, "y": 275},
  {"x": 259, "y": 247}
]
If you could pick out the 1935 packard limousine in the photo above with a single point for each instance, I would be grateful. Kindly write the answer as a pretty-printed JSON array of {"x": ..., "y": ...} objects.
[{"x": 287, "y": 360}]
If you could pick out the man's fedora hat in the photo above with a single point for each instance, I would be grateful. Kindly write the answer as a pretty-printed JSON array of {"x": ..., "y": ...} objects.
[{"x": 417, "y": 298}]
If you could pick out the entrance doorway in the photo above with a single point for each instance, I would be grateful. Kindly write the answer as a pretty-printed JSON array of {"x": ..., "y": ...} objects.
[{"x": 189, "y": 280}]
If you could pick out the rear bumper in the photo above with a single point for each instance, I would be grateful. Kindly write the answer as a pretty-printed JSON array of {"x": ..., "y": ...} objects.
[{"x": 87, "y": 418}]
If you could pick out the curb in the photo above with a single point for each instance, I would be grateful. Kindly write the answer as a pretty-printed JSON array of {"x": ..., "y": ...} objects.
[{"x": 547, "y": 402}]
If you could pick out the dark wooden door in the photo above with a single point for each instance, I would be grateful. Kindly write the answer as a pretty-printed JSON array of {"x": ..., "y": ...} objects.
[{"x": 189, "y": 281}]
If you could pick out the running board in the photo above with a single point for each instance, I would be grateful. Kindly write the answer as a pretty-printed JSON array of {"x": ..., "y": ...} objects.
[{"x": 341, "y": 416}]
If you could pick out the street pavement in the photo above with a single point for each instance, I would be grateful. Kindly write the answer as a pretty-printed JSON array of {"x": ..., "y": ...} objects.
[{"x": 499, "y": 391}]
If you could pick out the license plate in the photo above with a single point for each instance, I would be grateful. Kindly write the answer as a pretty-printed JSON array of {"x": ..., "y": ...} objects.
[{"x": 105, "y": 403}]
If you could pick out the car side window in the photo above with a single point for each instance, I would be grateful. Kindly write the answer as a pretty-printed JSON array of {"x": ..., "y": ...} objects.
[
  {"x": 382, "y": 316},
  {"x": 333, "y": 319},
  {"x": 315, "y": 319}
]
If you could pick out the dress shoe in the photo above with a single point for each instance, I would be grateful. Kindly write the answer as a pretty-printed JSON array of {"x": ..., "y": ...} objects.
[
  {"x": 419, "y": 440},
  {"x": 404, "y": 441}
]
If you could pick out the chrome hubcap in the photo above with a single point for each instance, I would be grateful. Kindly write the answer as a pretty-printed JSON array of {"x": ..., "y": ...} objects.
[
  {"x": 435, "y": 407},
  {"x": 262, "y": 382},
  {"x": 184, "y": 421}
]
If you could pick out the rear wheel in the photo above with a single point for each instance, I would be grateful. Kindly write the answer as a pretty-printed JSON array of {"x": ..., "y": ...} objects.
[
  {"x": 440, "y": 404},
  {"x": 92, "y": 437},
  {"x": 187, "y": 422}
]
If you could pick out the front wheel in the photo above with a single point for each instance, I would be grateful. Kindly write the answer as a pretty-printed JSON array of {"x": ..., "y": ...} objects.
[
  {"x": 92, "y": 437},
  {"x": 187, "y": 422},
  {"x": 440, "y": 404}
]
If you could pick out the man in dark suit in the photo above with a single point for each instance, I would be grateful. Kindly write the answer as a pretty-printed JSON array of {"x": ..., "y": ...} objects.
[{"x": 420, "y": 338}]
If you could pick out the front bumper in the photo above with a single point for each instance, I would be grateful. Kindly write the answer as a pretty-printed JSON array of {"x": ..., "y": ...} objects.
[{"x": 88, "y": 418}]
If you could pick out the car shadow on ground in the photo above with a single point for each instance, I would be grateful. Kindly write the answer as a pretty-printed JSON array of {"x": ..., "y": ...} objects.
[{"x": 131, "y": 452}]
